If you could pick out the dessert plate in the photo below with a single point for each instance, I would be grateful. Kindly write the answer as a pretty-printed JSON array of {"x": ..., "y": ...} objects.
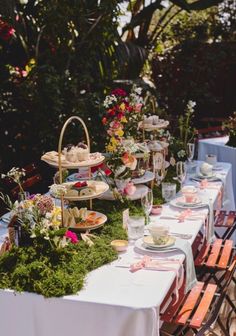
[
  {"x": 93, "y": 221},
  {"x": 99, "y": 187},
  {"x": 94, "y": 160},
  {"x": 140, "y": 245},
  {"x": 177, "y": 203}
]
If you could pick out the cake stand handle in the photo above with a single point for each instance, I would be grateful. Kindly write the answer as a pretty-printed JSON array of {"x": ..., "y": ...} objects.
[{"x": 68, "y": 121}]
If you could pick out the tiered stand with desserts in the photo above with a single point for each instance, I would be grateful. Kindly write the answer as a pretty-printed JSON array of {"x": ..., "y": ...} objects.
[
  {"x": 158, "y": 149},
  {"x": 60, "y": 162}
]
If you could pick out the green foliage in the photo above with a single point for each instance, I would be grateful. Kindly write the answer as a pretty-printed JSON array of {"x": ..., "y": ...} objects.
[{"x": 56, "y": 272}]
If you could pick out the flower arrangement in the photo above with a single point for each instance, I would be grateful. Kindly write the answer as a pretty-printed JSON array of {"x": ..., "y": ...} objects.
[
  {"x": 230, "y": 127},
  {"x": 36, "y": 217},
  {"x": 122, "y": 116},
  {"x": 39, "y": 218},
  {"x": 178, "y": 143},
  {"x": 16, "y": 175}
]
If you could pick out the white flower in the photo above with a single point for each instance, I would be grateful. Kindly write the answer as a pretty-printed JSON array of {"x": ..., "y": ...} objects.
[
  {"x": 109, "y": 100},
  {"x": 181, "y": 154},
  {"x": 57, "y": 190},
  {"x": 138, "y": 90}
]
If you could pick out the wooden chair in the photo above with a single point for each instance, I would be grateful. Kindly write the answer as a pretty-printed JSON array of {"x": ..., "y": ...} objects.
[
  {"x": 213, "y": 259},
  {"x": 199, "y": 309},
  {"x": 226, "y": 220}
]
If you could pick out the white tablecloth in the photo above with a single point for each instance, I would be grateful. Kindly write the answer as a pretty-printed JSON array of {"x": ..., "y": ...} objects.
[
  {"x": 114, "y": 301},
  {"x": 224, "y": 154}
]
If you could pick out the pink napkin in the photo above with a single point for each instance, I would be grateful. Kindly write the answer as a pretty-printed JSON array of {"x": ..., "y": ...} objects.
[
  {"x": 205, "y": 184},
  {"x": 160, "y": 265}
]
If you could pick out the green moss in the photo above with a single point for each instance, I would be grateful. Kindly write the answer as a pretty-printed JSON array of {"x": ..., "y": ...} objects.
[{"x": 54, "y": 273}]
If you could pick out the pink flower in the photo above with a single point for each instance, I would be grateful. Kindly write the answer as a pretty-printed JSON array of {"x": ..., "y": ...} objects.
[
  {"x": 129, "y": 160},
  {"x": 119, "y": 92},
  {"x": 72, "y": 236},
  {"x": 116, "y": 125},
  {"x": 45, "y": 204},
  {"x": 129, "y": 189},
  {"x": 138, "y": 107}
]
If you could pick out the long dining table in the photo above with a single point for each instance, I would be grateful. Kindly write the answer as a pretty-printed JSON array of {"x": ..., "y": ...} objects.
[{"x": 114, "y": 300}]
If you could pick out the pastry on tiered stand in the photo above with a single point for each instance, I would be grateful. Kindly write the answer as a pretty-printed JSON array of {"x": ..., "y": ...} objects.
[
  {"x": 83, "y": 219},
  {"x": 73, "y": 157},
  {"x": 153, "y": 123},
  {"x": 78, "y": 191}
]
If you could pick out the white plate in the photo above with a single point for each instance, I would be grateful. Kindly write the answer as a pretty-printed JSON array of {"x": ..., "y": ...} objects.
[
  {"x": 148, "y": 241},
  {"x": 75, "y": 165},
  {"x": 151, "y": 127},
  {"x": 140, "y": 245},
  {"x": 175, "y": 203},
  {"x": 218, "y": 167},
  {"x": 141, "y": 189},
  {"x": 6, "y": 217},
  {"x": 103, "y": 188},
  {"x": 147, "y": 177},
  {"x": 82, "y": 228},
  {"x": 181, "y": 201}
]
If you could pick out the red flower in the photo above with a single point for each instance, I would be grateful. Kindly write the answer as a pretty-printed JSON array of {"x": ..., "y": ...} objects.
[
  {"x": 72, "y": 236},
  {"x": 119, "y": 92},
  {"x": 104, "y": 120},
  {"x": 6, "y": 31},
  {"x": 111, "y": 112},
  {"x": 120, "y": 115}
]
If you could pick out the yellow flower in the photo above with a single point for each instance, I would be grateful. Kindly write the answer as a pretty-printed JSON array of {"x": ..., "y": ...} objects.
[
  {"x": 111, "y": 148},
  {"x": 123, "y": 120},
  {"x": 119, "y": 132},
  {"x": 114, "y": 141},
  {"x": 122, "y": 107}
]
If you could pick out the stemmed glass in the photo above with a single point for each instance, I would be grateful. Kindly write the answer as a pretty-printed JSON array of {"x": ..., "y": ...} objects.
[
  {"x": 190, "y": 151},
  {"x": 147, "y": 202},
  {"x": 159, "y": 167},
  {"x": 181, "y": 172}
]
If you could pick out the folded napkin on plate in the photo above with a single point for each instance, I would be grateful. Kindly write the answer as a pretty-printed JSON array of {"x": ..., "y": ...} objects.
[{"x": 181, "y": 245}]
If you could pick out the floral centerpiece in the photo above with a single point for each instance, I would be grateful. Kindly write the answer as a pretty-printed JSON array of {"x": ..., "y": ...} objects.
[
  {"x": 230, "y": 127},
  {"x": 35, "y": 217},
  {"x": 122, "y": 116}
]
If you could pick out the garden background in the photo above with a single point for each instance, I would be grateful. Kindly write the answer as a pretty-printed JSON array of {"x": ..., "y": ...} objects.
[{"x": 60, "y": 58}]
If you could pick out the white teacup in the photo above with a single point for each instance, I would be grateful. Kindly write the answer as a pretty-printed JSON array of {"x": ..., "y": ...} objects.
[
  {"x": 190, "y": 193},
  {"x": 211, "y": 159},
  {"x": 158, "y": 232},
  {"x": 206, "y": 169}
]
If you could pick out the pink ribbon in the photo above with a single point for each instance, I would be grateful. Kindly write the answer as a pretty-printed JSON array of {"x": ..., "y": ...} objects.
[
  {"x": 160, "y": 265},
  {"x": 184, "y": 214},
  {"x": 204, "y": 184}
]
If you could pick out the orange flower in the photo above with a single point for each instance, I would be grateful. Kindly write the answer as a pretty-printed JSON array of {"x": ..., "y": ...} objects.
[{"x": 129, "y": 160}]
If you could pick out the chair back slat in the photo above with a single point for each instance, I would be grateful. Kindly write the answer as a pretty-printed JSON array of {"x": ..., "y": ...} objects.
[
  {"x": 189, "y": 304},
  {"x": 214, "y": 254},
  {"x": 230, "y": 219},
  {"x": 220, "y": 218},
  {"x": 202, "y": 254},
  {"x": 203, "y": 306},
  {"x": 225, "y": 254}
]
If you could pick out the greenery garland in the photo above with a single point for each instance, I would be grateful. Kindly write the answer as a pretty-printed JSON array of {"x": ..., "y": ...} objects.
[{"x": 52, "y": 272}]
